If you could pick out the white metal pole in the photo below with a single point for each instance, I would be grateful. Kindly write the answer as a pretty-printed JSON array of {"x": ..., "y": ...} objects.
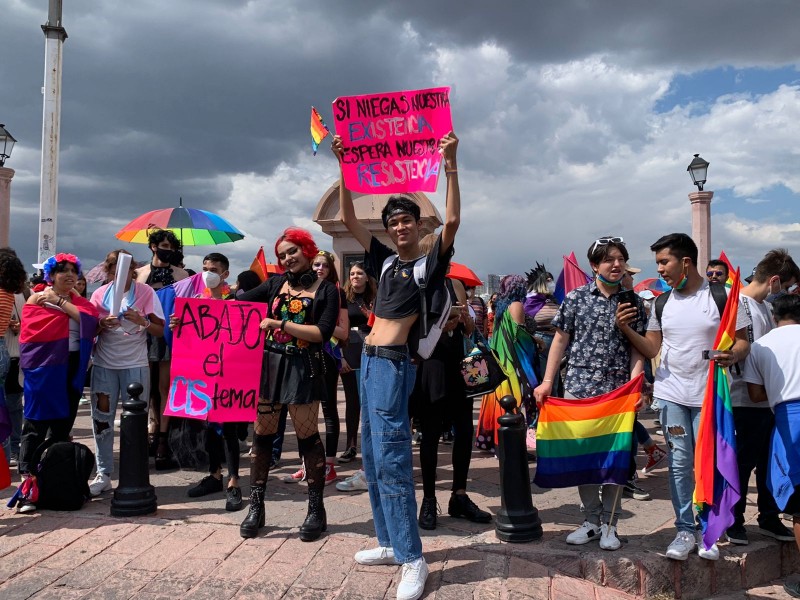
[{"x": 54, "y": 35}]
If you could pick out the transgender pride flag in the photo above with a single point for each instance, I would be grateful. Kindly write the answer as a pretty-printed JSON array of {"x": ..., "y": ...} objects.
[
  {"x": 716, "y": 473},
  {"x": 586, "y": 441}
]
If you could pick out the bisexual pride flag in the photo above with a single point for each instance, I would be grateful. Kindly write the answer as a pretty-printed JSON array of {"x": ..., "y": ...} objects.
[
  {"x": 44, "y": 357},
  {"x": 716, "y": 473},
  {"x": 587, "y": 441}
]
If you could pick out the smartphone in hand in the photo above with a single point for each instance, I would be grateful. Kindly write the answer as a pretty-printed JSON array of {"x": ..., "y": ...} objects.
[{"x": 627, "y": 297}]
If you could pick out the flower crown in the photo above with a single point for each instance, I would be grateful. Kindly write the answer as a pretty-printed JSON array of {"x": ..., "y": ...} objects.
[{"x": 51, "y": 263}]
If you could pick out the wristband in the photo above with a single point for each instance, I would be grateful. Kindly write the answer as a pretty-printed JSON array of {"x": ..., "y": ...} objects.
[
  {"x": 550, "y": 380},
  {"x": 61, "y": 302},
  {"x": 448, "y": 171},
  {"x": 283, "y": 324}
]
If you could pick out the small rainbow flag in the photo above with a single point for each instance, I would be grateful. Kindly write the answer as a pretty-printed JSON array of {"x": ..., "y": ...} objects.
[
  {"x": 319, "y": 131},
  {"x": 716, "y": 472},
  {"x": 587, "y": 441}
]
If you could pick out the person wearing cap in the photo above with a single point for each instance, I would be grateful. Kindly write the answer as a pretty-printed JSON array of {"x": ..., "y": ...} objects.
[{"x": 627, "y": 278}]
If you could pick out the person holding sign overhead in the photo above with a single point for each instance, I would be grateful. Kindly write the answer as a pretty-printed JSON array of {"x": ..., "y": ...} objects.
[
  {"x": 302, "y": 311},
  {"x": 387, "y": 372},
  {"x": 120, "y": 354}
]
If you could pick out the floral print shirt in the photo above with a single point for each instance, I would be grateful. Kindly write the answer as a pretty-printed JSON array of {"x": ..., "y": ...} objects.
[
  {"x": 294, "y": 309},
  {"x": 599, "y": 353}
]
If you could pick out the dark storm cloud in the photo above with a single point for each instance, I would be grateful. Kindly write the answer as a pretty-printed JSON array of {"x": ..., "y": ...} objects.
[{"x": 165, "y": 99}]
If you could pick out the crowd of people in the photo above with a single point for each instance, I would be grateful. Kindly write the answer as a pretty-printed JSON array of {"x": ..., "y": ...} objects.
[{"x": 376, "y": 332}]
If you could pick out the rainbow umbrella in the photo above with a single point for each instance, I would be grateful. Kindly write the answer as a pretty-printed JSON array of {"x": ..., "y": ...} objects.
[{"x": 192, "y": 226}]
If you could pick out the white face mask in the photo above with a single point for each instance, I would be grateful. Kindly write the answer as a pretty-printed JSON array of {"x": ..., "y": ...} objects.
[
  {"x": 551, "y": 287},
  {"x": 211, "y": 279}
]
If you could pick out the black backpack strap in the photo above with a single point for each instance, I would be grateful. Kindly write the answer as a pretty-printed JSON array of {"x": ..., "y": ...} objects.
[
  {"x": 720, "y": 294},
  {"x": 660, "y": 302},
  {"x": 33, "y": 465}
]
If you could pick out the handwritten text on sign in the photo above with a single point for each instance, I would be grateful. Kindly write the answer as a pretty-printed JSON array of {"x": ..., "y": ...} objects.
[
  {"x": 391, "y": 141},
  {"x": 216, "y": 360}
]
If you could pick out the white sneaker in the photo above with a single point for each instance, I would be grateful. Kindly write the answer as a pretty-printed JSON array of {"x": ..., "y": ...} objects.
[
  {"x": 376, "y": 556},
  {"x": 584, "y": 534},
  {"x": 608, "y": 537},
  {"x": 710, "y": 554},
  {"x": 355, "y": 483},
  {"x": 101, "y": 483},
  {"x": 681, "y": 546},
  {"x": 412, "y": 579}
]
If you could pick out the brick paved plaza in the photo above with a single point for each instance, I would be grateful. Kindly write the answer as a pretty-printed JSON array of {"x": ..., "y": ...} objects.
[{"x": 192, "y": 548}]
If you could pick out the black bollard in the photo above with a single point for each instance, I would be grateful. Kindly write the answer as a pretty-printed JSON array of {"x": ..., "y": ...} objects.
[
  {"x": 517, "y": 520},
  {"x": 134, "y": 495}
]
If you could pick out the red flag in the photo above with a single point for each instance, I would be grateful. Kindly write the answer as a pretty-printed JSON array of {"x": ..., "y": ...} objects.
[
  {"x": 724, "y": 258},
  {"x": 259, "y": 265}
]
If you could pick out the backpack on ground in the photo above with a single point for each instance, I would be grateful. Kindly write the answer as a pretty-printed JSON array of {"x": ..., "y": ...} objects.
[
  {"x": 429, "y": 332},
  {"x": 62, "y": 476}
]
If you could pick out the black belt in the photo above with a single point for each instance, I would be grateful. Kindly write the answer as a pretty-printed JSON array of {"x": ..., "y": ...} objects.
[
  {"x": 283, "y": 348},
  {"x": 397, "y": 352}
]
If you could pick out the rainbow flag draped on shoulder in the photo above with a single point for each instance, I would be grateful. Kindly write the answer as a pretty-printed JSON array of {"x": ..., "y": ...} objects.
[
  {"x": 716, "y": 473},
  {"x": 587, "y": 441}
]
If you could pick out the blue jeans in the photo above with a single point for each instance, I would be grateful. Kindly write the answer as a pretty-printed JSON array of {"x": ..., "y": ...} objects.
[
  {"x": 680, "y": 424},
  {"x": 386, "y": 453},
  {"x": 113, "y": 383}
]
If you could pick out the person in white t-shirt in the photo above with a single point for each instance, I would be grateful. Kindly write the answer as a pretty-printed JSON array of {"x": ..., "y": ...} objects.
[
  {"x": 686, "y": 327},
  {"x": 772, "y": 373},
  {"x": 119, "y": 359},
  {"x": 754, "y": 422}
]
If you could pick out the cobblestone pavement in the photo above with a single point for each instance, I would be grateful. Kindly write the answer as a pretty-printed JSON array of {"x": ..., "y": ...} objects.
[{"x": 191, "y": 548}]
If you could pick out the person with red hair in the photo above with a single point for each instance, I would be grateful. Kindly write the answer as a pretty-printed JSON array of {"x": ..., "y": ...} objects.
[{"x": 301, "y": 315}]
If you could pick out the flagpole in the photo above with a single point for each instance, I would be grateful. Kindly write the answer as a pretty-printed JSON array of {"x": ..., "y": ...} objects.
[{"x": 614, "y": 507}]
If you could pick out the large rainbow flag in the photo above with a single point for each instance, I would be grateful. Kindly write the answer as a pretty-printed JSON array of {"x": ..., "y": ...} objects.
[
  {"x": 716, "y": 473},
  {"x": 587, "y": 441},
  {"x": 319, "y": 131}
]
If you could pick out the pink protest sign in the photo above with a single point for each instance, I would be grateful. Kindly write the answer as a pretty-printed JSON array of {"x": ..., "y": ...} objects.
[
  {"x": 391, "y": 141},
  {"x": 216, "y": 360}
]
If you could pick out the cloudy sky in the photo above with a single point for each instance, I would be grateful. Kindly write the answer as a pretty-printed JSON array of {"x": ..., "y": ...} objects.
[{"x": 577, "y": 119}]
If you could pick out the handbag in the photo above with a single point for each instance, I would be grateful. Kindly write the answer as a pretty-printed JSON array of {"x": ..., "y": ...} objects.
[{"x": 480, "y": 368}]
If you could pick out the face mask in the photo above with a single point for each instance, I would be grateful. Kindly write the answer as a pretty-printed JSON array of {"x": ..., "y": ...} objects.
[
  {"x": 211, "y": 279},
  {"x": 166, "y": 255},
  {"x": 551, "y": 287},
  {"x": 682, "y": 283}
]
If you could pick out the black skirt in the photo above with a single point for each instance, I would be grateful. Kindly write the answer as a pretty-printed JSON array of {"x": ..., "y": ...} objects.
[{"x": 293, "y": 378}]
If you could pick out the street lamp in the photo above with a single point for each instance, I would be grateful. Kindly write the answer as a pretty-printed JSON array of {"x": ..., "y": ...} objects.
[
  {"x": 698, "y": 169},
  {"x": 7, "y": 142}
]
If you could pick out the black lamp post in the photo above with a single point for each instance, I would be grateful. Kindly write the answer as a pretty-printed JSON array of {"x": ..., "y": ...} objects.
[
  {"x": 7, "y": 142},
  {"x": 698, "y": 169}
]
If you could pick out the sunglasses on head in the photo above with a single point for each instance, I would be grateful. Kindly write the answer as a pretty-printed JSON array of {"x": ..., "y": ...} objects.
[
  {"x": 607, "y": 240},
  {"x": 715, "y": 273}
]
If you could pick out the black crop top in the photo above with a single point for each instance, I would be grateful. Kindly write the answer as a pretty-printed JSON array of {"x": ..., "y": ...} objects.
[
  {"x": 398, "y": 293},
  {"x": 324, "y": 309}
]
